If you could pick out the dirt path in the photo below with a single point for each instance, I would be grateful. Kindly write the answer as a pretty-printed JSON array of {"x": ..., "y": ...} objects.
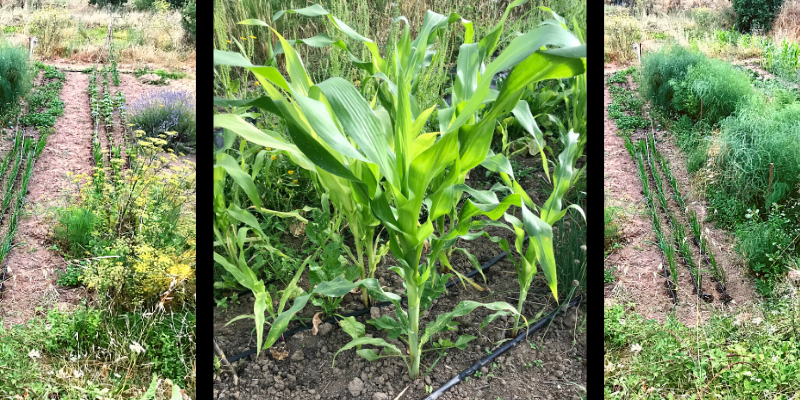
[
  {"x": 638, "y": 263},
  {"x": 33, "y": 264}
]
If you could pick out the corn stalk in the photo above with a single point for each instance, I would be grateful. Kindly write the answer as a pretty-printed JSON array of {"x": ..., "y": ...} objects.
[{"x": 374, "y": 153}]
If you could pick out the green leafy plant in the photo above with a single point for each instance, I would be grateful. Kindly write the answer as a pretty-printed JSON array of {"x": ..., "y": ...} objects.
[{"x": 390, "y": 182}]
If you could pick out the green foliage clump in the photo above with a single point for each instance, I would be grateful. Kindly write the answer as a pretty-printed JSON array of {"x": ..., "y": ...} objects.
[
  {"x": 706, "y": 18},
  {"x": 710, "y": 90},
  {"x": 662, "y": 69},
  {"x": 761, "y": 133},
  {"x": 755, "y": 14},
  {"x": 189, "y": 17},
  {"x": 664, "y": 353},
  {"x": 138, "y": 229},
  {"x": 610, "y": 227},
  {"x": 15, "y": 80},
  {"x": 767, "y": 244}
]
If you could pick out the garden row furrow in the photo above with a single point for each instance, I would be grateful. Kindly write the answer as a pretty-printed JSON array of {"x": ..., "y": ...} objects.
[
  {"x": 672, "y": 286},
  {"x": 701, "y": 242},
  {"x": 676, "y": 226},
  {"x": 27, "y": 149}
]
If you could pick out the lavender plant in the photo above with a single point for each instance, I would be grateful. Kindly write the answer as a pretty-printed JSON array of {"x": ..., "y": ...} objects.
[{"x": 159, "y": 111}]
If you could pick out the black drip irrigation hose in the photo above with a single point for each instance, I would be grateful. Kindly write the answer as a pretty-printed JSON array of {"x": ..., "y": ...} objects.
[
  {"x": 700, "y": 294},
  {"x": 725, "y": 297},
  {"x": 486, "y": 360},
  {"x": 379, "y": 305},
  {"x": 661, "y": 252}
]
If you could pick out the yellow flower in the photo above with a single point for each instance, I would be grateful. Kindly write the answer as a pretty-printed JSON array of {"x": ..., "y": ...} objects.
[
  {"x": 242, "y": 38},
  {"x": 130, "y": 124},
  {"x": 229, "y": 41},
  {"x": 290, "y": 172},
  {"x": 294, "y": 181},
  {"x": 273, "y": 157},
  {"x": 253, "y": 37},
  {"x": 267, "y": 148},
  {"x": 257, "y": 83}
]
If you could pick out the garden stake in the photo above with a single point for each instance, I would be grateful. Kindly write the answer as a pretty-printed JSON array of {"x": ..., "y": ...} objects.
[{"x": 224, "y": 361}]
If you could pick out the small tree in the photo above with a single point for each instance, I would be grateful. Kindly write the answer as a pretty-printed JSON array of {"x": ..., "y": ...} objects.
[{"x": 755, "y": 14}]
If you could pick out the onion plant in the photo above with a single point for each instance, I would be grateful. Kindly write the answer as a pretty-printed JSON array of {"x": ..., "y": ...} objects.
[{"x": 372, "y": 155}]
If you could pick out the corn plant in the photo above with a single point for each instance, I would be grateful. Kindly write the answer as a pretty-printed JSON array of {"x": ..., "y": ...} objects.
[{"x": 375, "y": 154}]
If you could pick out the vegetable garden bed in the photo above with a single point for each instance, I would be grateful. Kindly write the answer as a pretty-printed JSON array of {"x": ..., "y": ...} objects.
[{"x": 409, "y": 196}]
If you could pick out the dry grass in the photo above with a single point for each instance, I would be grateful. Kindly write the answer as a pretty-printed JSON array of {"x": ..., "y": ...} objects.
[
  {"x": 153, "y": 38},
  {"x": 621, "y": 31},
  {"x": 787, "y": 24}
]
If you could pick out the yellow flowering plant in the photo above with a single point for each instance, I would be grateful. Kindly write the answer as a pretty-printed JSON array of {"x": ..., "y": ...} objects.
[{"x": 138, "y": 229}]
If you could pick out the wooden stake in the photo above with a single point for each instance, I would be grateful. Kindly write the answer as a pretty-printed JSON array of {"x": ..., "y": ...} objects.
[
  {"x": 224, "y": 361},
  {"x": 771, "y": 165}
]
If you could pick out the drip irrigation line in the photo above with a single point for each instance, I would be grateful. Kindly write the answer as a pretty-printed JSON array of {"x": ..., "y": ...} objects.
[
  {"x": 697, "y": 289},
  {"x": 379, "y": 305},
  {"x": 725, "y": 297},
  {"x": 486, "y": 360},
  {"x": 663, "y": 265}
]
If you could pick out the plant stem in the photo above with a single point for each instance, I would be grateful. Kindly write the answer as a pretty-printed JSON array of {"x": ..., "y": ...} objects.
[
  {"x": 413, "y": 334},
  {"x": 523, "y": 294}
]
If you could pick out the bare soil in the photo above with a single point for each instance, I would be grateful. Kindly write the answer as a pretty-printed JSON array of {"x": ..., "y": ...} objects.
[{"x": 638, "y": 262}]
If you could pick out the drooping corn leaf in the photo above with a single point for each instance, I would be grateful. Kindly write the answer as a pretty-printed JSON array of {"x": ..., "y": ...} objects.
[{"x": 240, "y": 177}]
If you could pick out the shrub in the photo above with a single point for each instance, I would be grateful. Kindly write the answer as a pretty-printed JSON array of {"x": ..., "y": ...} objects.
[
  {"x": 761, "y": 133},
  {"x": 659, "y": 69},
  {"x": 48, "y": 24},
  {"x": 621, "y": 31},
  {"x": 189, "y": 17},
  {"x": 106, "y": 3},
  {"x": 142, "y": 5},
  {"x": 711, "y": 90},
  {"x": 15, "y": 80},
  {"x": 755, "y": 14},
  {"x": 767, "y": 245},
  {"x": 160, "y": 111},
  {"x": 707, "y": 19}
]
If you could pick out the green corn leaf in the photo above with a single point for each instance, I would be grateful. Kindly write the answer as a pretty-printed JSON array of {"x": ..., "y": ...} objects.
[
  {"x": 368, "y": 354},
  {"x": 263, "y": 138},
  {"x": 522, "y": 113},
  {"x": 245, "y": 217},
  {"x": 360, "y": 123},
  {"x": 282, "y": 321},
  {"x": 463, "y": 308},
  {"x": 240, "y": 177},
  {"x": 339, "y": 287},
  {"x": 541, "y": 236},
  {"x": 370, "y": 341},
  {"x": 352, "y": 327}
]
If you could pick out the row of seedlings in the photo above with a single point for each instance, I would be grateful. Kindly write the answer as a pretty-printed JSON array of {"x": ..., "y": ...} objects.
[
  {"x": 28, "y": 149},
  {"x": 678, "y": 229},
  {"x": 699, "y": 240},
  {"x": 672, "y": 286},
  {"x": 95, "y": 109},
  {"x": 107, "y": 109}
]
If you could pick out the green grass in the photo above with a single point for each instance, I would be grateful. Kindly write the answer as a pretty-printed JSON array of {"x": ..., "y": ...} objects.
[{"x": 732, "y": 356}]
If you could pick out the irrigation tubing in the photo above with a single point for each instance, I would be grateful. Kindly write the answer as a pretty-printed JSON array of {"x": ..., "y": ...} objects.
[
  {"x": 661, "y": 251},
  {"x": 486, "y": 360},
  {"x": 697, "y": 289},
  {"x": 725, "y": 297},
  {"x": 379, "y": 305}
]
